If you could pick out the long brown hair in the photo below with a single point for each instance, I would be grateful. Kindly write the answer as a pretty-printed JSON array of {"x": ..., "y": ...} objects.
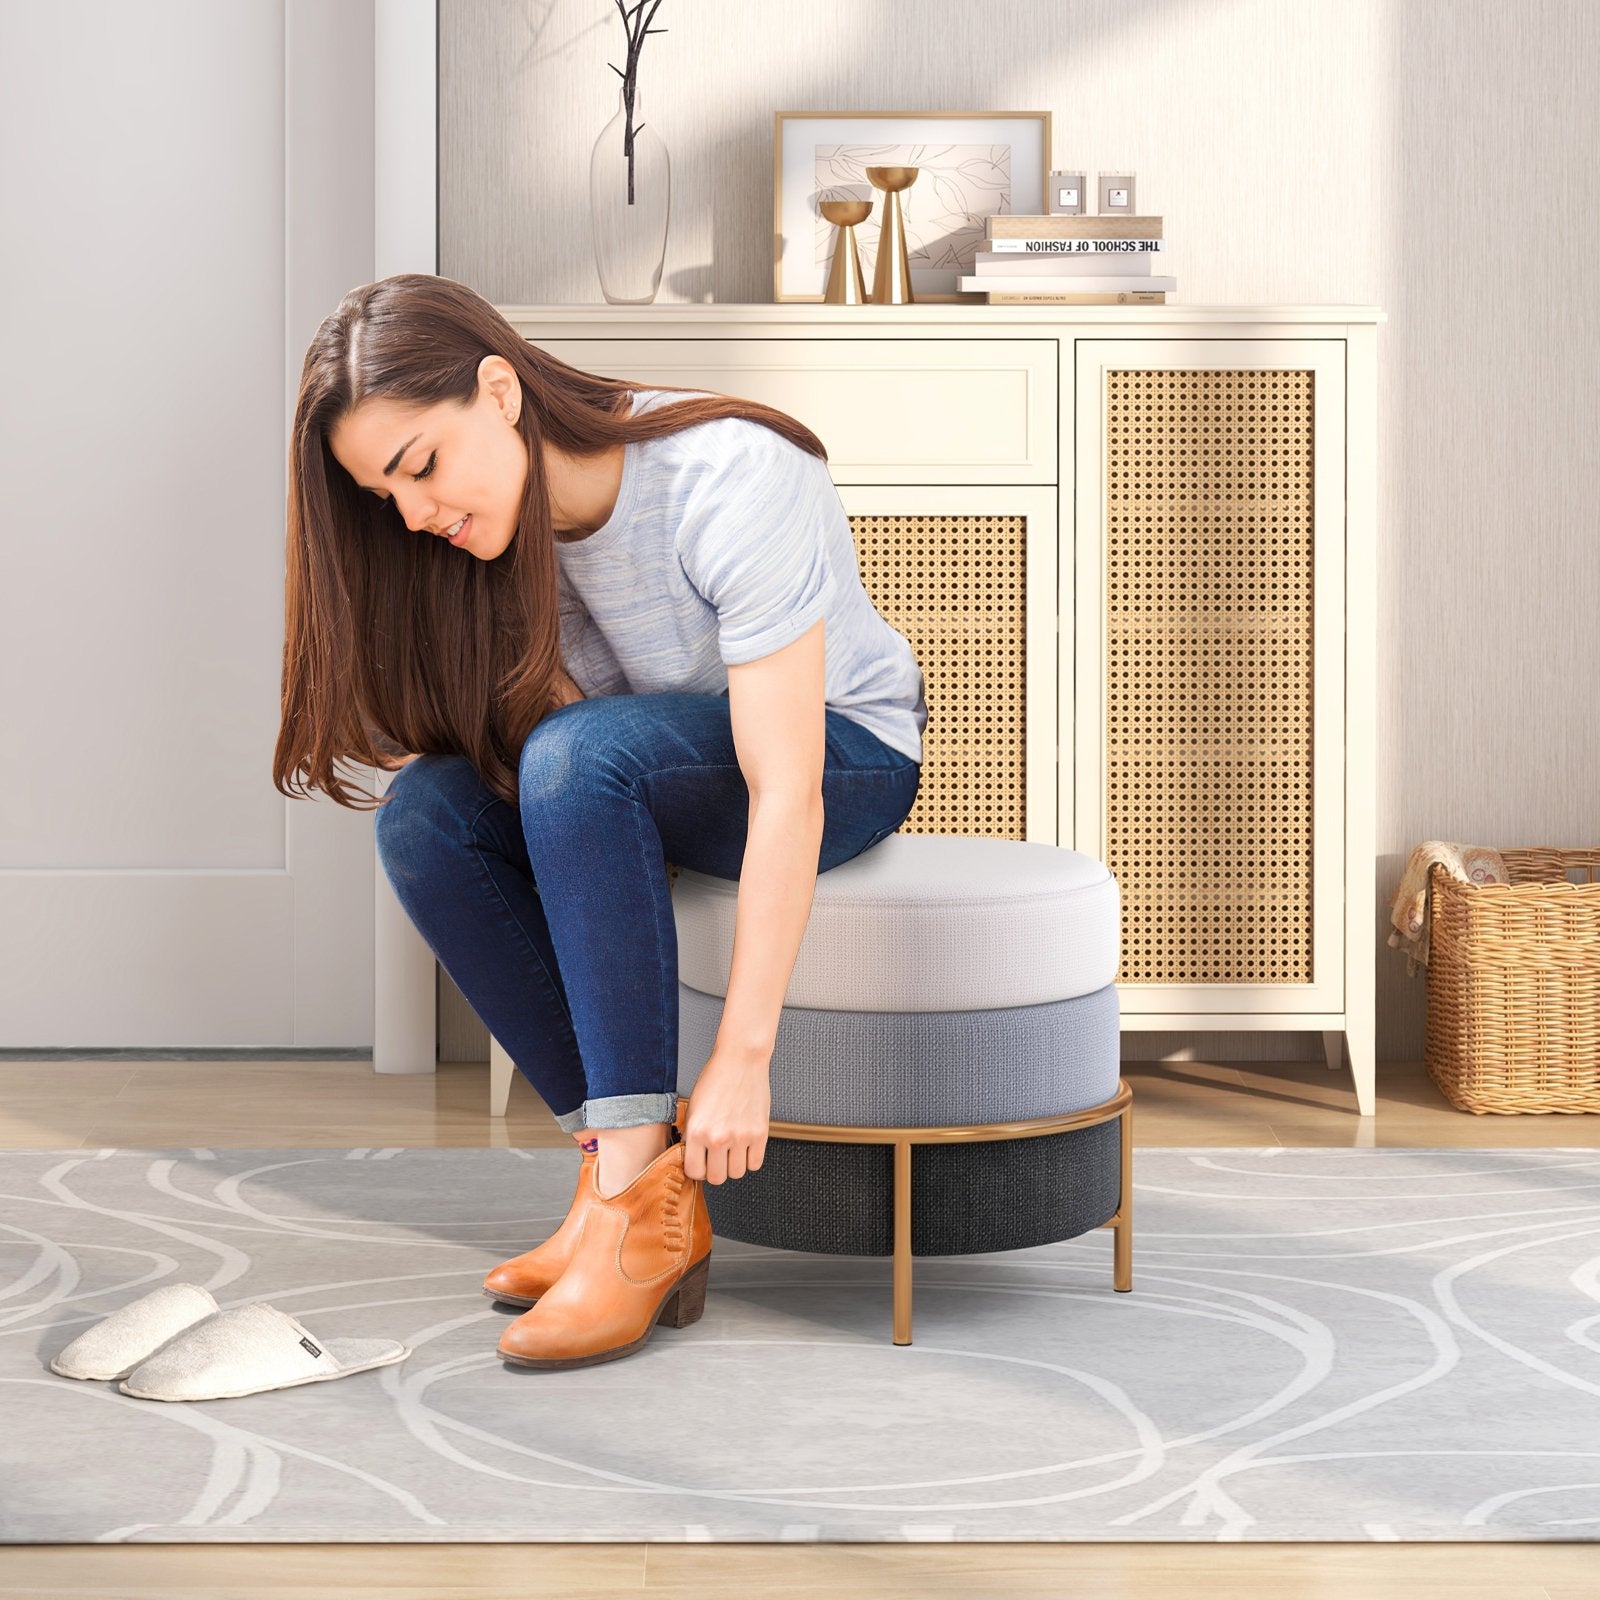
[{"x": 396, "y": 643}]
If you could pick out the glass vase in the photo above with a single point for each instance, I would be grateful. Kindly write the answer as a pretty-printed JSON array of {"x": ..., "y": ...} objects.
[{"x": 630, "y": 194}]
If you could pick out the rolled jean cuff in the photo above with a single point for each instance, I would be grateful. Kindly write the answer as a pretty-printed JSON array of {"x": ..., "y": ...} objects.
[
  {"x": 627, "y": 1110},
  {"x": 570, "y": 1121}
]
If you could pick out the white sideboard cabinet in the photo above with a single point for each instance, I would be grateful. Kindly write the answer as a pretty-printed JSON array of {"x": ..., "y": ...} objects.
[{"x": 1133, "y": 550}]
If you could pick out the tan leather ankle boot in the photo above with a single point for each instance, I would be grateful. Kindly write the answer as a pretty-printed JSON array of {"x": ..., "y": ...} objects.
[
  {"x": 521, "y": 1280},
  {"x": 642, "y": 1256}
]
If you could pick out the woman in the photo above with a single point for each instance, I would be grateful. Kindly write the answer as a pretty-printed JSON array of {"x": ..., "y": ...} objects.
[{"x": 583, "y": 621}]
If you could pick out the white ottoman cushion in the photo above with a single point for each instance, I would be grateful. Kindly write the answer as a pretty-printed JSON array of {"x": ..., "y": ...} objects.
[{"x": 928, "y": 922}]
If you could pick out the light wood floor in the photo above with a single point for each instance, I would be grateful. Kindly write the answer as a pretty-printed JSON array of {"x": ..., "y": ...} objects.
[{"x": 124, "y": 1101}]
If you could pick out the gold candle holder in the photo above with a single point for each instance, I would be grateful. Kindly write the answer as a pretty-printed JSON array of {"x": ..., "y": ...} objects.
[
  {"x": 891, "y": 277},
  {"x": 846, "y": 286}
]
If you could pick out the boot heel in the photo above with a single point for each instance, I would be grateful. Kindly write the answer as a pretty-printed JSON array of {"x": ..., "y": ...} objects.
[{"x": 688, "y": 1300}]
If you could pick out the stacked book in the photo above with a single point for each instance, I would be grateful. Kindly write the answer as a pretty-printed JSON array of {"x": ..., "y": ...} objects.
[{"x": 1061, "y": 260}]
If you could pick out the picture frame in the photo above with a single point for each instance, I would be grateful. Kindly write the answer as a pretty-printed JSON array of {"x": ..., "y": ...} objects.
[{"x": 975, "y": 164}]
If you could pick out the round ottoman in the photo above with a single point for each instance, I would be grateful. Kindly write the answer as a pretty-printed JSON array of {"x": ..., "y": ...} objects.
[{"x": 952, "y": 993}]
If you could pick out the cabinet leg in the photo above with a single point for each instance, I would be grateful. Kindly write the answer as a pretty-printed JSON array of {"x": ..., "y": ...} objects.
[
  {"x": 1361, "y": 1062},
  {"x": 902, "y": 1241},
  {"x": 1361, "y": 1035},
  {"x": 501, "y": 1067}
]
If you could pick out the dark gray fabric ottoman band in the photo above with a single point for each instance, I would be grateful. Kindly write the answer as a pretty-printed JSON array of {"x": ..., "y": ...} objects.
[{"x": 994, "y": 1194}]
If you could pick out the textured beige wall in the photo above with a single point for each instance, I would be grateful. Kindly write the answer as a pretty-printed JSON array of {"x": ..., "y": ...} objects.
[{"x": 1432, "y": 157}]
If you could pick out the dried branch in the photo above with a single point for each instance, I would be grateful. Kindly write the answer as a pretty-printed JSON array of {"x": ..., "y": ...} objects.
[{"x": 630, "y": 79}]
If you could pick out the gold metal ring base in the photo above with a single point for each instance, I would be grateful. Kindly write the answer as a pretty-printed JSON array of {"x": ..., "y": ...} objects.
[{"x": 1121, "y": 1222}]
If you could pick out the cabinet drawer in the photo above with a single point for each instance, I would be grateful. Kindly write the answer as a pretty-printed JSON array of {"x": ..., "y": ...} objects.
[{"x": 888, "y": 410}]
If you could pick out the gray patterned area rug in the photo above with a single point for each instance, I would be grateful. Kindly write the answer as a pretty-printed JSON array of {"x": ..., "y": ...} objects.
[{"x": 1374, "y": 1344}]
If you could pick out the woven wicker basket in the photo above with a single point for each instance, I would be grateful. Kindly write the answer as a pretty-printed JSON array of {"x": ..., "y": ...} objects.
[{"x": 1513, "y": 981}]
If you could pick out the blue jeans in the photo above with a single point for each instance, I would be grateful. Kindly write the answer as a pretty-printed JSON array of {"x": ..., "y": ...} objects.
[{"x": 554, "y": 917}]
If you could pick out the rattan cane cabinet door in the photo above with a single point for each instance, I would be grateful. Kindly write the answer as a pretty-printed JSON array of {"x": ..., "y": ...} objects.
[
  {"x": 1209, "y": 695},
  {"x": 970, "y": 576}
]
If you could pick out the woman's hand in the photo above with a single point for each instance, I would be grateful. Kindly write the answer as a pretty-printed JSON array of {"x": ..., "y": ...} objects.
[{"x": 725, "y": 1133}]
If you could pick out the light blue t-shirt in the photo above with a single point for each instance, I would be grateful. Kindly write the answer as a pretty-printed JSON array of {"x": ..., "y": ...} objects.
[{"x": 726, "y": 543}]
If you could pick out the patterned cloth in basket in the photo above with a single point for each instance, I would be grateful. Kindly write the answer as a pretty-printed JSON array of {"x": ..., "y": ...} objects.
[{"x": 1408, "y": 908}]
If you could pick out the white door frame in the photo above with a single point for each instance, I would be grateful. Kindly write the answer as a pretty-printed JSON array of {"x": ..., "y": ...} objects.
[{"x": 405, "y": 1026}]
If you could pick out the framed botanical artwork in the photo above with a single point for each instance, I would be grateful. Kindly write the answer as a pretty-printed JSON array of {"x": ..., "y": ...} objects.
[{"x": 970, "y": 165}]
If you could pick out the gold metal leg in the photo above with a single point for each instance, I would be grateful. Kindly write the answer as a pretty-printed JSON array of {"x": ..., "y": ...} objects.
[
  {"x": 1121, "y": 1224},
  {"x": 1120, "y": 1105},
  {"x": 1122, "y": 1239},
  {"x": 902, "y": 1241}
]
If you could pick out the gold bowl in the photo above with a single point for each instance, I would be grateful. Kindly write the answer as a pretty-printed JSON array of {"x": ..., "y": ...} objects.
[
  {"x": 892, "y": 178},
  {"x": 846, "y": 213}
]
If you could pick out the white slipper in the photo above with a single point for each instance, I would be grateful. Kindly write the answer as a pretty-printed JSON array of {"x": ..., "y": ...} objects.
[
  {"x": 250, "y": 1348},
  {"x": 113, "y": 1347}
]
